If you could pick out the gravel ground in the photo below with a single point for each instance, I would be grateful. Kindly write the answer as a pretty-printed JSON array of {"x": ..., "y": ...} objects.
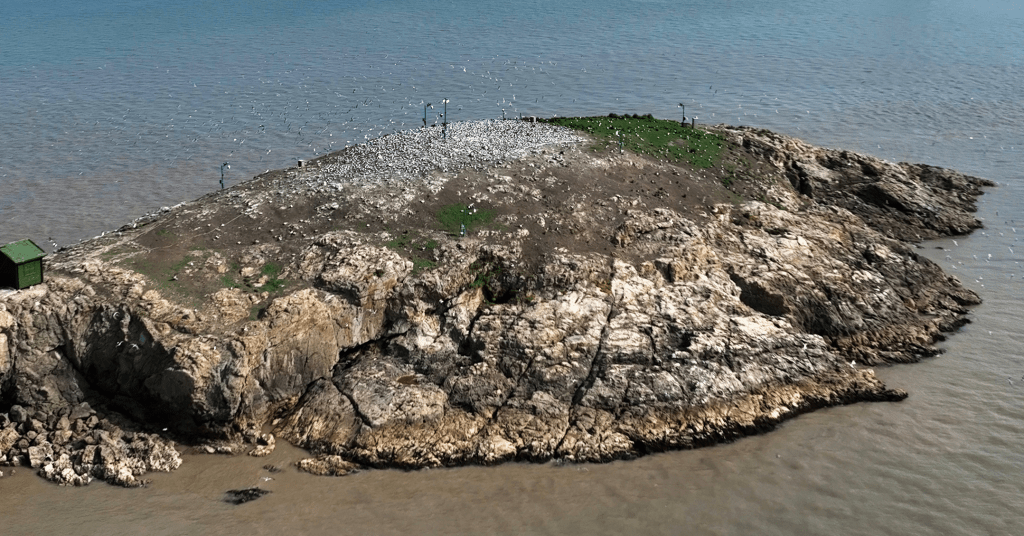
[
  {"x": 407, "y": 158},
  {"x": 411, "y": 155}
]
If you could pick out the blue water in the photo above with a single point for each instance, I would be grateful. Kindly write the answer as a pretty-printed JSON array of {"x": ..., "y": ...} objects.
[{"x": 112, "y": 109}]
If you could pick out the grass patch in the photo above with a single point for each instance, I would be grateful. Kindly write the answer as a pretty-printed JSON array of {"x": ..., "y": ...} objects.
[
  {"x": 256, "y": 311},
  {"x": 401, "y": 242},
  {"x": 453, "y": 217},
  {"x": 418, "y": 264},
  {"x": 273, "y": 284},
  {"x": 111, "y": 253},
  {"x": 180, "y": 265},
  {"x": 660, "y": 138},
  {"x": 270, "y": 269},
  {"x": 164, "y": 278},
  {"x": 412, "y": 242},
  {"x": 409, "y": 240}
]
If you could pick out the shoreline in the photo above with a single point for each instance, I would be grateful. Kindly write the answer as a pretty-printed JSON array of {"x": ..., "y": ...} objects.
[{"x": 600, "y": 307}]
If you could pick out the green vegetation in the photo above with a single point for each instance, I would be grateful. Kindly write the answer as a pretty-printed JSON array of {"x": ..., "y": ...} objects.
[
  {"x": 401, "y": 242},
  {"x": 180, "y": 265},
  {"x": 418, "y": 264},
  {"x": 731, "y": 177},
  {"x": 453, "y": 217},
  {"x": 256, "y": 310},
  {"x": 483, "y": 279},
  {"x": 660, "y": 138},
  {"x": 487, "y": 278},
  {"x": 165, "y": 277},
  {"x": 272, "y": 270},
  {"x": 414, "y": 243}
]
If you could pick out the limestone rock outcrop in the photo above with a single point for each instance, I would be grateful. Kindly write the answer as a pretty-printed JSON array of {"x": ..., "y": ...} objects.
[{"x": 687, "y": 329}]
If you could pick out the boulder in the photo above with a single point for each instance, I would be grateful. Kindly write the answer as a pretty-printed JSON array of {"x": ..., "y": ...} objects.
[
  {"x": 327, "y": 465},
  {"x": 18, "y": 414},
  {"x": 40, "y": 455}
]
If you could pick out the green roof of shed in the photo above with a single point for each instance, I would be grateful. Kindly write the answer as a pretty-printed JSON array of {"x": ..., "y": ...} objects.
[{"x": 22, "y": 251}]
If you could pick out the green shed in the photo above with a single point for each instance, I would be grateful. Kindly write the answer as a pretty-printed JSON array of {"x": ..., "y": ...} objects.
[{"x": 21, "y": 264}]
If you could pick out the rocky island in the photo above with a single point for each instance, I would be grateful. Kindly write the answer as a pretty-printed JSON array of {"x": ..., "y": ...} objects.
[{"x": 583, "y": 289}]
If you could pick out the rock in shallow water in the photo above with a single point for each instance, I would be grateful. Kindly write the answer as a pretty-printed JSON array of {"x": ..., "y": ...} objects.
[
  {"x": 327, "y": 466},
  {"x": 239, "y": 496}
]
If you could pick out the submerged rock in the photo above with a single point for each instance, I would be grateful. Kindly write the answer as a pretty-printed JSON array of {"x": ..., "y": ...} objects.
[
  {"x": 240, "y": 496},
  {"x": 601, "y": 306}
]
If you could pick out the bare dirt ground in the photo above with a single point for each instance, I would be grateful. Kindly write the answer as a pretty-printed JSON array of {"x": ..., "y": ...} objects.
[{"x": 567, "y": 197}]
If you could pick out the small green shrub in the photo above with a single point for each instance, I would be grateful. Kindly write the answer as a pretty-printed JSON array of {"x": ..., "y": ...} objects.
[
  {"x": 418, "y": 265},
  {"x": 273, "y": 285},
  {"x": 453, "y": 217},
  {"x": 401, "y": 241},
  {"x": 272, "y": 270}
]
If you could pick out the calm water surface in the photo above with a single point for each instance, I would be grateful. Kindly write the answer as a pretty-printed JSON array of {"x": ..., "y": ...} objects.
[{"x": 113, "y": 109}]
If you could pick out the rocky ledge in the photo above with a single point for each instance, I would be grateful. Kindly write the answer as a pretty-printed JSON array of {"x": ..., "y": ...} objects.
[{"x": 519, "y": 291}]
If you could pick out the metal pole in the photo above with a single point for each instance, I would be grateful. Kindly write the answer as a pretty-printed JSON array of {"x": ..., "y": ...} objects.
[{"x": 444, "y": 128}]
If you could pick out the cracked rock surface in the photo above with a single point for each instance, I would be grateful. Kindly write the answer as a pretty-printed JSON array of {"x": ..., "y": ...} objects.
[{"x": 612, "y": 305}]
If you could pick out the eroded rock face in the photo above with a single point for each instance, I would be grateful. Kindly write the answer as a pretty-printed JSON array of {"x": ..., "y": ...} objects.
[
  {"x": 910, "y": 202},
  {"x": 686, "y": 334}
]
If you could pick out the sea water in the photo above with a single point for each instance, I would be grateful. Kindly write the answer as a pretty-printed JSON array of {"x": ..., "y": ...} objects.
[{"x": 110, "y": 109}]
